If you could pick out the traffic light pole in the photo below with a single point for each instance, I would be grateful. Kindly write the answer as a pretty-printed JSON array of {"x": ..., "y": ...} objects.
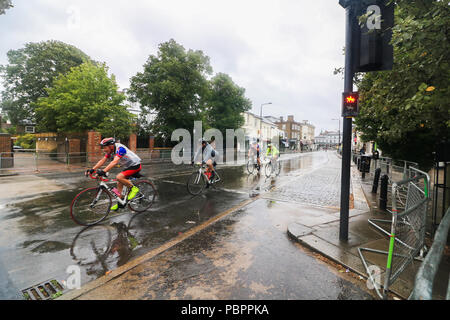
[{"x": 347, "y": 129}]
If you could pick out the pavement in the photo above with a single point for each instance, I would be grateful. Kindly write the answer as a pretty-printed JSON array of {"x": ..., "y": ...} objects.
[
  {"x": 305, "y": 203},
  {"x": 319, "y": 231}
]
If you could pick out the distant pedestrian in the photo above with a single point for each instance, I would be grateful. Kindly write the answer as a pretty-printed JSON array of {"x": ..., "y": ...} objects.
[{"x": 363, "y": 150}]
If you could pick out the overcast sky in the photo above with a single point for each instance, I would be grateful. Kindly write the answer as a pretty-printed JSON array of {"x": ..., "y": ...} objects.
[{"x": 280, "y": 51}]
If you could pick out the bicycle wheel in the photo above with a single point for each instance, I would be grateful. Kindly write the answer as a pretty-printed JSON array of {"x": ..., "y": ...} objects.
[
  {"x": 250, "y": 166},
  {"x": 268, "y": 169},
  {"x": 145, "y": 197},
  {"x": 90, "y": 206},
  {"x": 196, "y": 183},
  {"x": 278, "y": 168}
]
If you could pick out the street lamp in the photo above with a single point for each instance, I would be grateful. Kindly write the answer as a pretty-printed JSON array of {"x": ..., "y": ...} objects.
[
  {"x": 339, "y": 131},
  {"x": 261, "y": 119}
]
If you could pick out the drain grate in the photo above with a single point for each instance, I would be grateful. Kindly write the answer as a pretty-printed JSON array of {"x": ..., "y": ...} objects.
[{"x": 46, "y": 290}]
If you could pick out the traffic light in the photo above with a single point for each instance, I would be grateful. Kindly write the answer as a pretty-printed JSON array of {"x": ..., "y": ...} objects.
[{"x": 350, "y": 106}]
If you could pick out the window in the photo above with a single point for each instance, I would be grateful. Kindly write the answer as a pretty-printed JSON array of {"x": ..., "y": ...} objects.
[{"x": 29, "y": 129}]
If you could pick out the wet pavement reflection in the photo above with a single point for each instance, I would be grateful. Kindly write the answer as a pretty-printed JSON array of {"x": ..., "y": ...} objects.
[{"x": 38, "y": 240}]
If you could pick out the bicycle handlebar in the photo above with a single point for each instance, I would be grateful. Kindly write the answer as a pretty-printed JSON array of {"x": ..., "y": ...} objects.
[{"x": 99, "y": 177}]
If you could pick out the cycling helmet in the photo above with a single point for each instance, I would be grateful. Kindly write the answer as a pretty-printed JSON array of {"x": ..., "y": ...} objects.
[
  {"x": 202, "y": 140},
  {"x": 107, "y": 142}
]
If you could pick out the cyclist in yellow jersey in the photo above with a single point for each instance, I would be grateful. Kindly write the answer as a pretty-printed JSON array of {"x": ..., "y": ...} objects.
[{"x": 272, "y": 151}]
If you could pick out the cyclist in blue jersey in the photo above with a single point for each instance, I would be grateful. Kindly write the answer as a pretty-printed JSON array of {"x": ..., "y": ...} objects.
[{"x": 127, "y": 159}]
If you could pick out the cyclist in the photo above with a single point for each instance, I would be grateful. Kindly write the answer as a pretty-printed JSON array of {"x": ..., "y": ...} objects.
[
  {"x": 254, "y": 149},
  {"x": 273, "y": 152},
  {"x": 209, "y": 156},
  {"x": 119, "y": 154}
]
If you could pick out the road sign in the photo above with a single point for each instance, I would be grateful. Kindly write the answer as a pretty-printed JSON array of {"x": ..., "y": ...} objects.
[
  {"x": 376, "y": 20},
  {"x": 371, "y": 28}
]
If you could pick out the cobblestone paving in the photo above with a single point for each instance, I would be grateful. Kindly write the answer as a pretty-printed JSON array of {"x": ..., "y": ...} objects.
[{"x": 320, "y": 186}]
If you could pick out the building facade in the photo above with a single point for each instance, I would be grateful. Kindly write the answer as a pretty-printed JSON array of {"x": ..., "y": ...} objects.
[
  {"x": 264, "y": 129},
  {"x": 329, "y": 139}
]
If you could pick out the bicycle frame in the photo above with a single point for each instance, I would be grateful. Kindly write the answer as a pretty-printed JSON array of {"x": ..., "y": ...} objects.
[
  {"x": 104, "y": 187},
  {"x": 201, "y": 171}
]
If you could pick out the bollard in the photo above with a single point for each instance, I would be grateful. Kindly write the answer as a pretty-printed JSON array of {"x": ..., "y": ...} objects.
[
  {"x": 376, "y": 180},
  {"x": 384, "y": 192},
  {"x": 363, "y": 167}
]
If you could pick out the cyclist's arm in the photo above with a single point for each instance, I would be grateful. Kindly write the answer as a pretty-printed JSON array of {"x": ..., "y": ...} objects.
[
  {"x": 100, "y": 163},
  {"x": 112, "y": 164}
]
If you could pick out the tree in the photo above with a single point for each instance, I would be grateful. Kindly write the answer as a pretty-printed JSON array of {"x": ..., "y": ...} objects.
[
  {"x": 32, "y": 69},
  {"x": 226, "y": 103},
  {"x": 406, "y": 110},
  {"x": 173, "y": 86},
  {"x": 85, "y": 99},
  {"x": 4, "y": 5}
]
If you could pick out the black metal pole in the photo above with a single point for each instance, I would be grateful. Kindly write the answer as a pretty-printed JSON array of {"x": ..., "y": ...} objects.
[{"x": 347, "y": 129}]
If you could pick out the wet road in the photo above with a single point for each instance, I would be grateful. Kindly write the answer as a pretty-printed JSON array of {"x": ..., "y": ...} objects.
[{"x": 245, "y": 255}]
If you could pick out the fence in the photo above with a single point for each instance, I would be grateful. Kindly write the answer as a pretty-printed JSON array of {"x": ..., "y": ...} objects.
[
  {"x": 32, "y": 161},
  {"x": 423, "y": 286},
  {"x": 410, "y": 199}
]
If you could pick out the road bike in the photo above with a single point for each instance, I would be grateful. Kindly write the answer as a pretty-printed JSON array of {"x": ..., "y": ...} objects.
[
  {"x": 273, "y": 167},
  {"x": 92, "y": 205},
  {"x": 198, "y": 180},
  {"x": 252, "y": 165}
]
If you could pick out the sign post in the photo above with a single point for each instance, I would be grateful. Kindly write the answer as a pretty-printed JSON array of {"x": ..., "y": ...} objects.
[{"x": 367, "y": 48}]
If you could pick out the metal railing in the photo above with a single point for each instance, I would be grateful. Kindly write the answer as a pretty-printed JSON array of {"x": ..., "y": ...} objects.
[
  {"x": 32, "y": 161},
  {"x": 410, "y": 199},
  {"x": 423, "y": 285}
]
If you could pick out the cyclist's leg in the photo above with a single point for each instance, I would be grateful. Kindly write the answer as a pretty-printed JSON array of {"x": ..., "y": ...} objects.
[
  {"x": 123, "y": 178},
  {"x": 210, "y": 167}
]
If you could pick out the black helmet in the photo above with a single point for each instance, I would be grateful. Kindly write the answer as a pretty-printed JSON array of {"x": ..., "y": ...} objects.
[{"x": 107, "y": 142}]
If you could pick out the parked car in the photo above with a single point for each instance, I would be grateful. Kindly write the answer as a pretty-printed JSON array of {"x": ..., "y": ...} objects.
[{"x": 17, "y": 148}]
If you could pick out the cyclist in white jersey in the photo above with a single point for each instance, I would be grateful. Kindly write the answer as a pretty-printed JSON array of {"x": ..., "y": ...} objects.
[{"x": 126, "y": 159}]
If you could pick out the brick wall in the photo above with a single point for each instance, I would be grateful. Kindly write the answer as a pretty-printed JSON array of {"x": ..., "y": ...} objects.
[
  {"x": 74, "y": 150},
  {"x": 132, "y": 142},
  {"x": 5, "y": 142},
  {"x": 7, "y": 160},
  {"x": 93, "y": 148}
]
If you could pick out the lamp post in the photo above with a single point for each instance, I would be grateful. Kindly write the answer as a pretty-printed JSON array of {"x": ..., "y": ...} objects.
[
  {"x": 339, "y": 131},
  {"x": 261, "y": 119}
]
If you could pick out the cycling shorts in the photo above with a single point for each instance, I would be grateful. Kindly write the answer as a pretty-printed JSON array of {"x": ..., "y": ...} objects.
[{"x": 128, "y": 172}]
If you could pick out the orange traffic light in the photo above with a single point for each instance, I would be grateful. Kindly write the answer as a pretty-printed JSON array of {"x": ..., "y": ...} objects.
[
  {"x": 350, "y": 106},
  {"x": 351, "y": 99}
]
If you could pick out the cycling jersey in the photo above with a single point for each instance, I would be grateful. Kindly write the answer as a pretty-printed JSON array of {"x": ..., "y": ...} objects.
[
  {"x": 208, "y": 153},
  {"x": 254, "y": 149},
  {"x": 127, "y": 157},
  {"x": 273, "y": 150}
]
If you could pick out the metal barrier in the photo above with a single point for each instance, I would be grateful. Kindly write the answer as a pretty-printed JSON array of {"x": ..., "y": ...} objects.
[
  {"x": 22, "y": 162},
  {"x": 423, "y": 286},
  {"x": 409, "y": 208}
]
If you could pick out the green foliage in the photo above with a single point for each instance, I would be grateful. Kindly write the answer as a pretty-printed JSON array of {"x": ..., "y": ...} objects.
[
  {"x": 12, "y": 130},
  {"x": 173, "y": 86},
  {"x": 32, "y": 69},
  {"x": 4, "y": 5},
  {"x": 26, "y": 141},
  {"x": 85, "y": 99},
  {"x": 226, "y": 103},
  {"x": 406, "y": 110}
]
